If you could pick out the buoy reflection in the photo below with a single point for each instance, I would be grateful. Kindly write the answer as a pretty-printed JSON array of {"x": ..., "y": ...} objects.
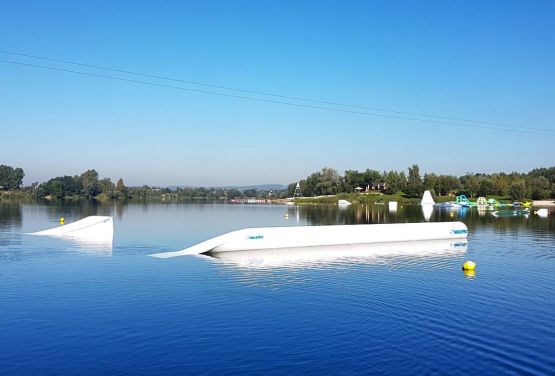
[{"x": 470, "y": 274}]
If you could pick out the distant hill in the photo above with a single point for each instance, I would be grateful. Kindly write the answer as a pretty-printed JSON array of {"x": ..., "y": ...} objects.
[{"x": 258, "y": 187}]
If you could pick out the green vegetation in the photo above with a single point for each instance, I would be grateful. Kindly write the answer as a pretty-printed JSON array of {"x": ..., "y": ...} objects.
[
  {"x": 188, "y": 193},
  {"x": 356, "y": 198},
  {"x": 322, "y": 186},
  {"x": 86, "y": 185},
  {"x": 393, "y": 185},
  {"x": 10, "y": 178}
]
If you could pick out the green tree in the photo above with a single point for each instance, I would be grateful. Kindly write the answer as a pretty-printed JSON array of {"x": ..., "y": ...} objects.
[
  {"x": 291, "y": 189},
  {"x": 10, "y": 178},
  {"x": 353, "y": 179},
  {"x": 373, "y": 176},
  {"x": 548, "y": 173},
  {"x": 517, "y": 190},
  {"x": 486, "y": 187},
  {"x": 249, "y": 193},
  {"x": 431, "y": 181},
  {"x": 121, "y": 189},
  {"x": 106, "y": 185},
  {"x": 55, "y": 188},
  {"x": 447, "y": 184},
  {"x": 93, "y": 189},
  {"x": 235, "y": 193},
  {"x": 395, "y": 181},
  {"x": 328, "y": 182},
  {"x": 470, "y": 184},
  {"x": 540, "y": 187},
  {"x": 414, "y": 181},
  {"x": 5, "y": 173},
  {"x": 90, "y": 183},
  {"x": 17, "y": 178},
  {"x": 501, "y": 184}
]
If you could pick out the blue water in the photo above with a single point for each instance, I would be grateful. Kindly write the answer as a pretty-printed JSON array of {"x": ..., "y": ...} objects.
[{"x": 70, "y": 309}]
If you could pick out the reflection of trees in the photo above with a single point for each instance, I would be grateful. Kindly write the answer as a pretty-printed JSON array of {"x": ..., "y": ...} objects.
[
  {"x": 10, "y": 215},
  {"x": 119, "y": 208},
  {"x": 374, "y": 214},
  {"x": 354, "y": 214},
  {"x": 77, "y": 209}
]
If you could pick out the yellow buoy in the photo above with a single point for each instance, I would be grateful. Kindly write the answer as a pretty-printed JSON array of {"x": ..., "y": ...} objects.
[
  {"x": 451, "y": 214},
  {"x": 469, "y": 265},
  {"x": 62, "y": 220}
]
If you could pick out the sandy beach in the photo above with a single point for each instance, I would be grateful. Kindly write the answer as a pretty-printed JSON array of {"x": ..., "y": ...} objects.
[{"x": 543, "y": 203}]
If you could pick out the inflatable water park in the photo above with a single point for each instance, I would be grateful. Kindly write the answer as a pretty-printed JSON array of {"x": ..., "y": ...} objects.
[
  {"x": 462, "y": 201},
  {"x": 516, "y": 208},
  {"x": 496, "y": 208}
]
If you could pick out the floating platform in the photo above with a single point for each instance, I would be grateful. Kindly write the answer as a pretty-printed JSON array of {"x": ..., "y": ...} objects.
[{"x": 322, "y": 236}]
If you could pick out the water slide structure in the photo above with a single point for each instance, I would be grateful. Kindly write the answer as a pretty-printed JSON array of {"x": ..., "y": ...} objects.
[{"x": 462, "y": 201}]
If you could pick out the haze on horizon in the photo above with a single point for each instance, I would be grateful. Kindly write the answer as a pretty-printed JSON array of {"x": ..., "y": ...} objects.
[{"x": 491, "y": 62}]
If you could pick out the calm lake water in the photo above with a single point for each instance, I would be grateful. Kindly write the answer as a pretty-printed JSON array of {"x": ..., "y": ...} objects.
[{"x": 79, "y": 310}]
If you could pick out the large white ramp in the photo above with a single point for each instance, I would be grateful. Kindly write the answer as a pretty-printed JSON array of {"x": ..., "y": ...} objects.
[{"x": 318, "y": 236}]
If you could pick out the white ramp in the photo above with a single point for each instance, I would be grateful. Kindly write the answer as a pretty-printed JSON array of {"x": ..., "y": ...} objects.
[
  {"x": 93, "y": 229},
  {"x": 318, "y": 236}
]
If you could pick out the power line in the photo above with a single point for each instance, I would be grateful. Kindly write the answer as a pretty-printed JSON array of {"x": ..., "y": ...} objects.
[
  {"x": 530, "y": 131},
  {"x": 457, "y": 119}
]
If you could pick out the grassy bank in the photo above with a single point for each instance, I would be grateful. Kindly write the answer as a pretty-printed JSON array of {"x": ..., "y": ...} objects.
[
  {"x": 356, "y": 198},
  {"x": 8, "y": 195}
]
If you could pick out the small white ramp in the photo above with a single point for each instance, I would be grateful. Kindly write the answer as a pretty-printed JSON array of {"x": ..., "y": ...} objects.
[{"x": 93, "y": 229}]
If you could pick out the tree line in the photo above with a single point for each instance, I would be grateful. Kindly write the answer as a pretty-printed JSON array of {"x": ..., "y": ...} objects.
[
  {"x": 89, "y": 185},
  {"x": 86, "y": 185},
  {"x": 146, "y": 192},
  {"x": 536, "y": 184}
]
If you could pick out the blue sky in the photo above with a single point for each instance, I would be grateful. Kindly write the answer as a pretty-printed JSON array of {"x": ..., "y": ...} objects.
[{"x": 489, "y": 61}]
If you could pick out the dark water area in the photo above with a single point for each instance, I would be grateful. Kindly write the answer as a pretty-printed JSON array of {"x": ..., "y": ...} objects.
[{"x": 69, "y": 308}]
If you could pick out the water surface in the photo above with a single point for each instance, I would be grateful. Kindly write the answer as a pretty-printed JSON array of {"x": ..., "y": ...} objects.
[{"x": 74, "y": 309}]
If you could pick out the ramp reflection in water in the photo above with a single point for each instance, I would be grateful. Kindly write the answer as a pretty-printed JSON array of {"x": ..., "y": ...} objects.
[
  {"x": 90, "y": 246},
  {"x": 313, "y": 257}
]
